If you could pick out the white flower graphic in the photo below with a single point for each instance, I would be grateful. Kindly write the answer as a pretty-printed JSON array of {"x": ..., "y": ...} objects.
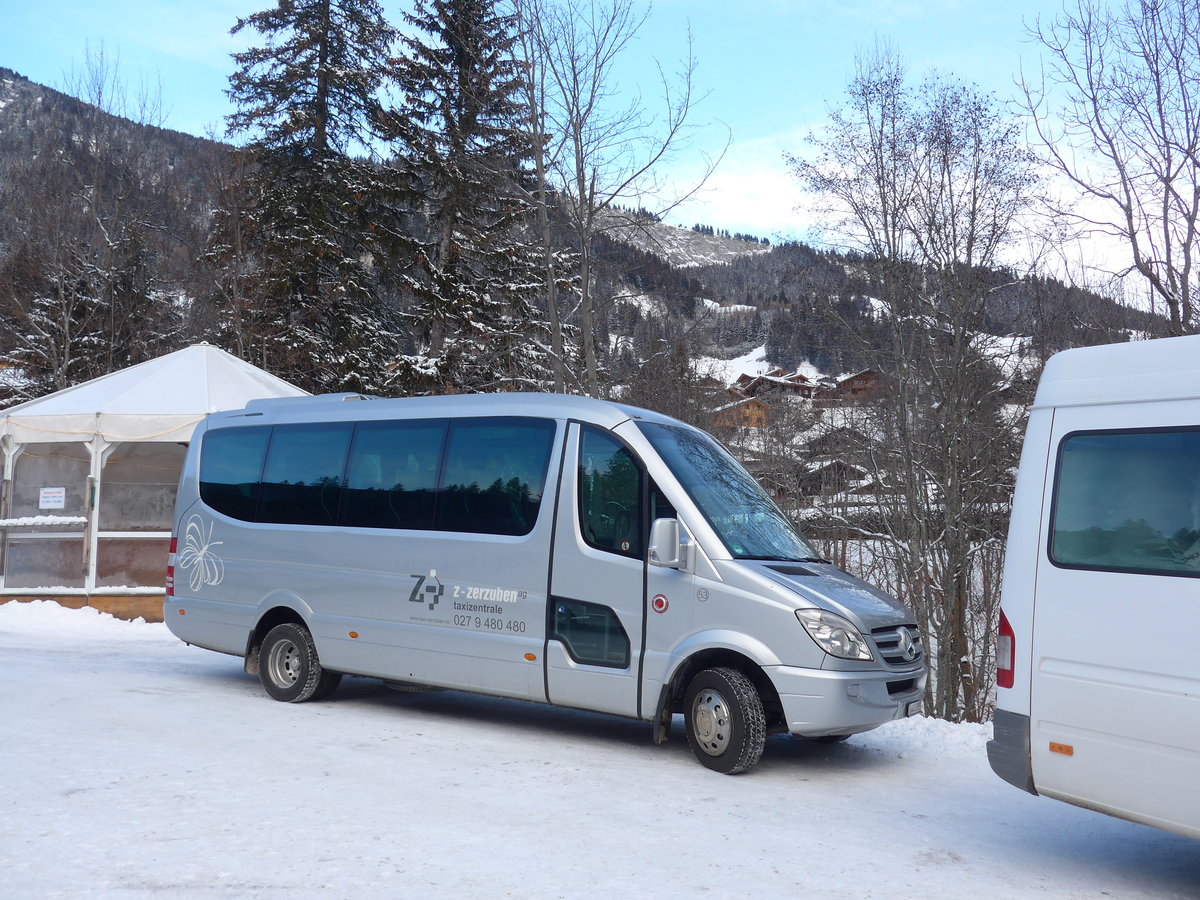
[{"x": 206, "y": 567}]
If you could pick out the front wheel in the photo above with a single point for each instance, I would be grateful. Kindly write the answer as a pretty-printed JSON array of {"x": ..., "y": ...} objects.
[
  {"x": 289, "y": 667},
  {"x": 726, "y": 725}
]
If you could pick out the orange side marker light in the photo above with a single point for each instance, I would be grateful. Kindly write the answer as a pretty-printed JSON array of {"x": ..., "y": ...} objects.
[
  {"x": 1064, "y": 749},
  {"x": 531, "y": 656}
]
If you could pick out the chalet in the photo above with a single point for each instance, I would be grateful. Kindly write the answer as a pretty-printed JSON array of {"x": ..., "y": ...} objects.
[
  {"x": 774, "y": 384},
  {"x": 749, "y": 412},
  {"x": 858, "y": 388}
]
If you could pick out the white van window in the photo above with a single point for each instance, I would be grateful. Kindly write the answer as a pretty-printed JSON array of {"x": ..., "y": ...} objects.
[
  {"x": 747, "y": 520},
  {"x": 610, "y": 484},
  {"x": 302, "y": 480},
  {"x": 493, "y": 475},
  {"x": 231, "y": 470},
  {"x": 1128, "y": 501}
]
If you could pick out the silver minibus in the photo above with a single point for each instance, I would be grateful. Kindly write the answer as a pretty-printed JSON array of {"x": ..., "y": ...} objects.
[{"x": 557, "y": 549}]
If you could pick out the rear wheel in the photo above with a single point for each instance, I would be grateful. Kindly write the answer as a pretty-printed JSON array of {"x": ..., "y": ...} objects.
[
  {"x": 289, "y": 667},
  {"x": 726, "y": 724}
]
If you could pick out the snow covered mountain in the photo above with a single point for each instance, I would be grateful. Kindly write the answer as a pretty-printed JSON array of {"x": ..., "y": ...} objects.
[{"x": 683, "y": 248}]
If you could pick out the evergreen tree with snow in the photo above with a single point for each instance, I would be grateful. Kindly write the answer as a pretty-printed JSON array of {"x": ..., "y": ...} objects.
[
  {"x": 311, "y": 220},
  {"x": 474, "y": 263}
]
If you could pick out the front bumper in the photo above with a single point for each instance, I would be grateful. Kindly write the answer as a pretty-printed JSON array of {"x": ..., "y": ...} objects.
[{"x": 818, "y": 702}]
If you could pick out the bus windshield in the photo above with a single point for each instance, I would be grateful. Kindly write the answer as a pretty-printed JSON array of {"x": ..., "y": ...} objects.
[{"x": 746, "y": 519}]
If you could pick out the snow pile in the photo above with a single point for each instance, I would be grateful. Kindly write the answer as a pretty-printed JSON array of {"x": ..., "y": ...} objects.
[
  {"x": 46, "y": 619},
  {"x": 925, "y": 737},
  {"x": 23, "y": 521}
]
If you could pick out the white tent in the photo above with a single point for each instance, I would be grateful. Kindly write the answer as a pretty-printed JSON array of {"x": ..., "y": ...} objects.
[{"x": 90, "y": 471}]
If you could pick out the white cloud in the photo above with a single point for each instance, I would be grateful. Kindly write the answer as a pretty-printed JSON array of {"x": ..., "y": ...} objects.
[{"x": 752, "y": 190}]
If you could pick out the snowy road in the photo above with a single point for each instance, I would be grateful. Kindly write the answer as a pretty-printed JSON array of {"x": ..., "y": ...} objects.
[{"x": 134, "y": 765}]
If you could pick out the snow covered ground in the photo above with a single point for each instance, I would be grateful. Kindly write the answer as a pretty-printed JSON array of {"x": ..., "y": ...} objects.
[{"x": 134, "y": 765}]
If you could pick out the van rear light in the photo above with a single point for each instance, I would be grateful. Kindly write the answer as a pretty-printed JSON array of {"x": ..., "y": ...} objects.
[
  {"x": 1006, "y": 650},
  {"x": 171, "y": 566}
]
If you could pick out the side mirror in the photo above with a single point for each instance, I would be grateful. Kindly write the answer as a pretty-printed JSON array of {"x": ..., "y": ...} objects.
[{"x": 670, "y": 545}]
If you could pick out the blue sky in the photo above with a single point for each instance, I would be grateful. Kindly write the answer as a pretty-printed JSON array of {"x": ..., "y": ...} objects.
[{"x": 770, "y": 67}]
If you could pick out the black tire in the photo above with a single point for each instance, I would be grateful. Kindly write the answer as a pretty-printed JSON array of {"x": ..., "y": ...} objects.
[
  {"x": 726, "y": 725},
  {"x": 289, "y": 667}
]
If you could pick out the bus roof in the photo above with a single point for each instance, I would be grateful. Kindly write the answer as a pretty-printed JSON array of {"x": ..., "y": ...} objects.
[
  {"x": 333, "y": 407},
  {"x": 1138, "y": 371}
]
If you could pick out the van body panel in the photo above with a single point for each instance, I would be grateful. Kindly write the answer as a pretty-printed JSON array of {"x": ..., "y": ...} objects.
[
  {"x": 1023, "y": 555},
  {"x": 825, "y": 586},
  {"x": 1124, "y": 700},
  {"x": 1102, "y": 589},
  {"x": 211, "y": 624},
  {"x": 599, "y": 597},
  {"x": 569, "y": 612}
]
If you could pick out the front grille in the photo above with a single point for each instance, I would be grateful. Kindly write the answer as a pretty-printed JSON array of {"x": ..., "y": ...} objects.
[{"x": 892, "y": 642}]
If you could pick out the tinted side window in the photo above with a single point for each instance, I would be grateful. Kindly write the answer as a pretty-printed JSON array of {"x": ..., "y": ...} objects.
[
  {"x": 302, "y": 480},
  {"x": 1128, "y": 501},
  {"x": 610, "y": 484},
  {"x": 494, "y": 474},
  {"x": 591, "y": 633},
  {"x": 392, "y": 475},
  {"x": 231, "y": 461}
]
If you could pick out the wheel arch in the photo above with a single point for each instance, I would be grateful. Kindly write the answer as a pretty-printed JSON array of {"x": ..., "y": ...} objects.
[
  {"x": 671, "y": 696},
  {"x": 274, "y": 615}
]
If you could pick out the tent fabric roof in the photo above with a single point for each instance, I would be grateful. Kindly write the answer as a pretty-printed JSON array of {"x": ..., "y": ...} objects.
[{"x": 162, "y": 399}]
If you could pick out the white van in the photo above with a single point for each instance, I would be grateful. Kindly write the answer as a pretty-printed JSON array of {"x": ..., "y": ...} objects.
[
  {"x": 1098, "y": 672},
  {"x": 556, "y": 549}
]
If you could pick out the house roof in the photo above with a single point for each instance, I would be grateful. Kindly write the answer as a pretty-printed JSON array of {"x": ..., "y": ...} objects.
[
  {"x": 744, "y": 401},
  {"x": 159, "y": 400}
]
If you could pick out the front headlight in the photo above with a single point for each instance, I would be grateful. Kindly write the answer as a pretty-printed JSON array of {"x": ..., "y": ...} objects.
[{"x": 834, "y": 634}]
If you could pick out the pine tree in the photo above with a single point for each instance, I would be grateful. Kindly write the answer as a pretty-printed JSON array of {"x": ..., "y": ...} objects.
[
  {"x": 315, "y": 309},
  {"x": 461, "y": 151}
]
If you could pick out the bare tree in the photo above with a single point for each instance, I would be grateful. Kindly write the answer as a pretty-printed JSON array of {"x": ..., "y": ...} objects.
[
  {"x": 929, "y": 184},
  {"x": 602, "y": 151},
  {"x": 1117, "y": 111},
  {"x": 534, "y": 85}
]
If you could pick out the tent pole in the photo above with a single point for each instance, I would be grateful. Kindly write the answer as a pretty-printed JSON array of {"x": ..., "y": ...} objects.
[{"x": 91, "y": 542}]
